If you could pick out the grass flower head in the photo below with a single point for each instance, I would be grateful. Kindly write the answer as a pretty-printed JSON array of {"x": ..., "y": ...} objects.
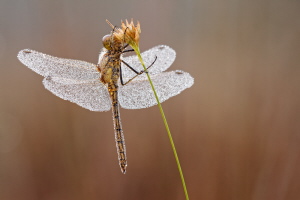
[{"x": 129, "y": 33}]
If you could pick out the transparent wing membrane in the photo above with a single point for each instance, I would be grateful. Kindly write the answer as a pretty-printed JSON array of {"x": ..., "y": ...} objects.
[
  {"x": 79, "y": 81},
  {"x": 90, "y": 94},
  {"x": 165, "y": 58},
  {"x": 47, "y": 65},
  {"x": 138, "y": 94}
]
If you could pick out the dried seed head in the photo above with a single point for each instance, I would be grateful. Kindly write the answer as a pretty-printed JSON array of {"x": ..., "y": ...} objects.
[{"x": 128, "y": 32}]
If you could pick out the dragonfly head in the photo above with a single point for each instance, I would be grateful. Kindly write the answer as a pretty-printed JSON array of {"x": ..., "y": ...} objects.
[
  {"x": 106, "y": 42},
  {"x": 111, "y": 42}
]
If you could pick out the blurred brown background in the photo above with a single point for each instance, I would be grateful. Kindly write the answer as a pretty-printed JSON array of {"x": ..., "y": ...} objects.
[{"x": 237, "y": 130}]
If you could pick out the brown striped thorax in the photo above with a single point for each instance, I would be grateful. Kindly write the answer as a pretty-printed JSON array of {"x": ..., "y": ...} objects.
[{"x": 109, "y": 59}]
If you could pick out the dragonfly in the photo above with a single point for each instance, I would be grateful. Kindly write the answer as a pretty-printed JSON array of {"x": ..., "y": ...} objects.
[{"x": 115, "y": 80}]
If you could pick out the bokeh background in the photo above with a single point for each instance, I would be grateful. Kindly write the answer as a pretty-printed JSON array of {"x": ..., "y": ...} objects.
[{"x": 237, "y": 130}]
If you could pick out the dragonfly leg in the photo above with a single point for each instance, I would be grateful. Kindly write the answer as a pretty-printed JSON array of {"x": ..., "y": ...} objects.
[
  {"x": 124, "y": 37},
  {"x": 111, "y": 37},
  {"x": 137, "y": 73},
  {"x": 124, "y": 51},
  {"x": 129, "y": 66},
  {"x": 115, "y": 27},
  {"x": 129, "y": 50},
  {"x": 126, "y": 45}
]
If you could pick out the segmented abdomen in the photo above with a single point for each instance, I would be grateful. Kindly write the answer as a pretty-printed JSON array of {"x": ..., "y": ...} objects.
[{"x": 119, "y": 137}]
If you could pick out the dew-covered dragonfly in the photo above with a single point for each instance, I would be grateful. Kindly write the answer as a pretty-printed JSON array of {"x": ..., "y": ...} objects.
[{"x": 114, "y": 80}]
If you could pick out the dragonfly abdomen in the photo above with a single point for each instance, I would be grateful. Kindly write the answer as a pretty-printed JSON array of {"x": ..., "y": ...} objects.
[{"x": 119, "y": 136}]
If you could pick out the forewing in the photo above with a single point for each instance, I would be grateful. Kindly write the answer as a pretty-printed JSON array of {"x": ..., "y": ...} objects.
[
  {"x": 47, "y": 65},
  {"x": 138, "y": 94},
  {"x": 165, "y": 58},
  {"x": 89, "y": 94}
]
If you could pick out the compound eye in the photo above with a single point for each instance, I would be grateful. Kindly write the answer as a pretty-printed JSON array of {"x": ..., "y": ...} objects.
[{"x": 106, "y": 42}]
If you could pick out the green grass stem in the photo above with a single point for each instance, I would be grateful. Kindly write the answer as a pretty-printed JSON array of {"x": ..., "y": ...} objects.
[{"x": 137, "y": 51}]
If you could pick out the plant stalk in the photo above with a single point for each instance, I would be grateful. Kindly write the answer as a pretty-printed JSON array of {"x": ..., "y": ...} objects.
[{"x": 137, "y": 51}]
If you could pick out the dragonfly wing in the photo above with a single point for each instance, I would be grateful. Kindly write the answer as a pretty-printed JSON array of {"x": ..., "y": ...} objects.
[
  {"x": 89, "y": 94},
  {"x": 138, "y": 93},
  {"x": 47, "y": 65},
  {"x": 165, "y": 58}
]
